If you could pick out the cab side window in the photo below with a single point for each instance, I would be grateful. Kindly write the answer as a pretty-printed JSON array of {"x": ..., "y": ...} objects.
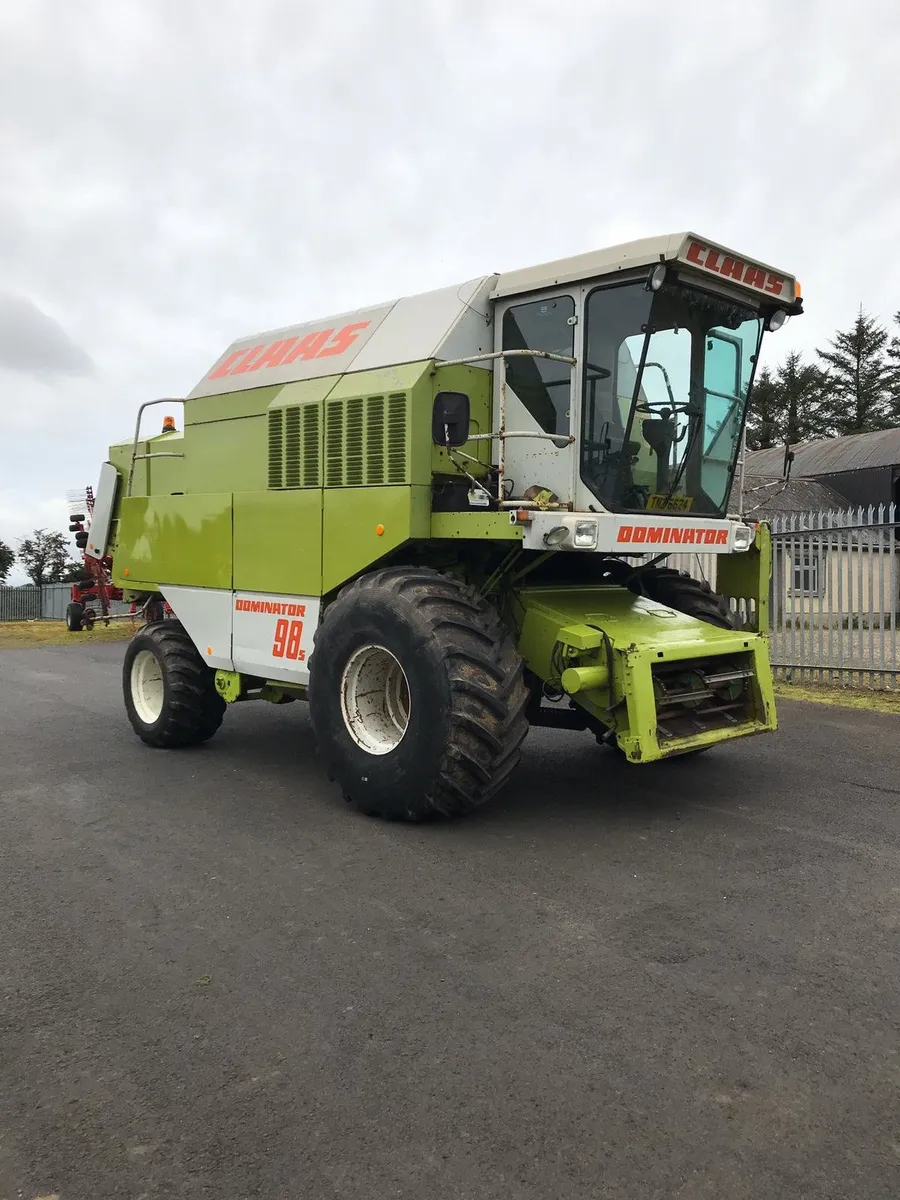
[{"x": 543, "y": 385}]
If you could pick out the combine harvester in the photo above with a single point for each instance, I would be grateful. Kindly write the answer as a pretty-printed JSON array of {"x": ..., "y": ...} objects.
[{"x": 444, "y": 519}]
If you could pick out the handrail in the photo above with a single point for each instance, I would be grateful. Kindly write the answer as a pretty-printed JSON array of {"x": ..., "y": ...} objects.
[{"x": 137, "y": 435}]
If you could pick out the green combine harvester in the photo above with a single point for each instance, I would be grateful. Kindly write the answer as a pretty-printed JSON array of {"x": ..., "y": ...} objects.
[{"x": 442, "y": 520}]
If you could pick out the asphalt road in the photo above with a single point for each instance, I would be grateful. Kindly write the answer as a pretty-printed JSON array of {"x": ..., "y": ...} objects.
[{"x": 665, "y": 981}]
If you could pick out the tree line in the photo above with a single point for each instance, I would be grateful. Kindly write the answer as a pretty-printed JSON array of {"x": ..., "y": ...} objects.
[
  {"x": 44, "y": 557},
  {"x": 852, "y": 386}
]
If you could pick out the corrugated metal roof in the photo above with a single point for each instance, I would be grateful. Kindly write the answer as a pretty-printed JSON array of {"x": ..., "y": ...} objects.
[
  {"x": 765, "y": 495},
  {"x": 830, "y": 455}
]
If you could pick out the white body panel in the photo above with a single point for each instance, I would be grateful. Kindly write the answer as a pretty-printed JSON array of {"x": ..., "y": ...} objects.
[
  {"x": 450, "y": 323},
  {"x": 266, "y": 635},
  {"x": 206, "y": 615},
  {"x": 101, "y": 518},
  {"x": 273, "y": 635},
  {"x": 624, "y": 533}
]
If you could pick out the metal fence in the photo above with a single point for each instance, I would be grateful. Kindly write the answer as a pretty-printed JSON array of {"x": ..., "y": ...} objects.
[
  {"x": 47, "y": 603},
  {"x": 834, "y": 597}
]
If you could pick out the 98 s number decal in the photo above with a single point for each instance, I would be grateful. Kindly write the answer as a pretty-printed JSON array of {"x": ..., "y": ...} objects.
[
  {"x": 288, "y": 639},
  {"x": 272, "y": 636}
]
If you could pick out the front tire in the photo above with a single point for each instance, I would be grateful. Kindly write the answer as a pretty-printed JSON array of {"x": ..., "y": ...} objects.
[
  {"x": 417, "y": 696},
  {"x": 170, "y": 694},
  {"x": 693, "y": 597},
  {"x": 75, "y": 617}
]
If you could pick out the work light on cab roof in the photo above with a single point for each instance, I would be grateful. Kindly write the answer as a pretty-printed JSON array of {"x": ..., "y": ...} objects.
[{"x": 481, "y": 484}]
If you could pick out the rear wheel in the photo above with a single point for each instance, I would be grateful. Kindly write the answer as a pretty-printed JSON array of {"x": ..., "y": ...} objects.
[
  {"x": 417, "y": 696},
  {"x": 170, "y": 694},
  {"x": 75, "y": 617}
]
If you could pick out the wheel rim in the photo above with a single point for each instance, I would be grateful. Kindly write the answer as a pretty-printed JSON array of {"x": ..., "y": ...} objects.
[
  {"x": 375, "y": 700},
  {"x": 147, "y": 689}
]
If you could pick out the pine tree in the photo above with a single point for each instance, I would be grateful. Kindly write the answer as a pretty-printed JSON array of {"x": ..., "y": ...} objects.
[
  {"x": 786, "y": 406},
  {"x": 859, "y": 378},
  {"x": 765, "y": 413}
]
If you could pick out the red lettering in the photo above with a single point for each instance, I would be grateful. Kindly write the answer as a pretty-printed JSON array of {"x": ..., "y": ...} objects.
[
  {"x": 713, "y": 260},
  {"x": 309, "y": 346},
  {"x": 688, "y": 535},
  {"x": 733, "y": 267},
  {"x": 244, "y": 364},
  {"x": 225, "y": 367},
  {"x": 344, "y": 339},
  {"x": 640, "y": 533},
  {"x": 709, "y": 537},
  {"x": 293, "y": 645},
  {"x": 625, "y": 533},
  {"x": 774, "y": 285},
  {"x": 655, "y": 534},
  {"x": 695, "y": 250},
  {"x": 676, "y": 536},
  {"x": 721, "y": 537},
  {"x": 281, "y": 636},
  {"x": 755, "y": 277},
  {"x": 273, "y": 354}
]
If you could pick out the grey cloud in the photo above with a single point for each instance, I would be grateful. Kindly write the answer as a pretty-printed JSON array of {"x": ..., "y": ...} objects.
[{"x": 34, "y": 343}]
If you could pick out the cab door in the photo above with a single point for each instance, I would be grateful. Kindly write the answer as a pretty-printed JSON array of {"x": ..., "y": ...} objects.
[{"x": 535, "y": 396}]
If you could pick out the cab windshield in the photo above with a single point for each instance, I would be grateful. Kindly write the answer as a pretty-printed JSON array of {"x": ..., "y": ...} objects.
[{"x": 667, "y": 379}]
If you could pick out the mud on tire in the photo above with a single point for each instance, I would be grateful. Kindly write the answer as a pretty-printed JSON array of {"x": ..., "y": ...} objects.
[
  {"x": 170, "y": 694},
  {"x": 417, "y": 696}
]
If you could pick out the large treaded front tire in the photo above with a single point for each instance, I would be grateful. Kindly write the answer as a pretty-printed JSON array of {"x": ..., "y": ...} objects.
[
  {"x": 191, "y": 709},
  {"x": 465, "y": 695},
  {"x": 693, "y": 597}
]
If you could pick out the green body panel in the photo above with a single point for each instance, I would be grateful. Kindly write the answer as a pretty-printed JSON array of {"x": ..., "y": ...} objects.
[
  {"x": 224, "y": 455},
  {"x": 475, "y": 526},
  {"x": 641, "y": 634},
  {"x": 747, "y": 576},
  {"x": 477, "y": 385},
  {"x": 174, "y": 539},
  {"x": 278, "y": 542},
  {"x": 352, "y": 518},
  {"x": 234, "y": 405}
]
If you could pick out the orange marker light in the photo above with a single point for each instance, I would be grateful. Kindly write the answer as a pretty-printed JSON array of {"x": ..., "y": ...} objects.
[
  {"x": 209, "y": 649},
  {"x": 798, "y": 290},
  {"x": 168, "y": 425},
  {"x": 126, "y": 572},
  {"x": 379, "y": 529}
]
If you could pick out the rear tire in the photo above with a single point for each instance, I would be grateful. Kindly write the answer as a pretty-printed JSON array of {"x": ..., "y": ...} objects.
[
  {"x": 693, "y": 597},
  {"x": 170, "y": 693},
  {"x": 417, "y": 696},
  {"x": 75, "y": 617}
]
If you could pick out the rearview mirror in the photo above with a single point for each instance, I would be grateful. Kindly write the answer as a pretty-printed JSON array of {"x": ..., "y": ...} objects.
[{"x": 450, "y": 419}]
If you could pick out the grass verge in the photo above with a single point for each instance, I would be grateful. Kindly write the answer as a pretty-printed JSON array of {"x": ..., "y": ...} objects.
[
  {"x": 843, "y": 697},
  {"x": 18, "y": 634}
]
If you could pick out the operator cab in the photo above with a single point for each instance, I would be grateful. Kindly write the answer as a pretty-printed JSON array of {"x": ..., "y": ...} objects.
[{"x": 628, "y": 391}]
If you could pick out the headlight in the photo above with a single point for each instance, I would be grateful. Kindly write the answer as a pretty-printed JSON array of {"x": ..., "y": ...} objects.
[
  {"x": 743, "y": 536},
  {"x": 556, "y": 536},
  {"x": 776, "y": 320},
  {"x": 585, "y": 535}
]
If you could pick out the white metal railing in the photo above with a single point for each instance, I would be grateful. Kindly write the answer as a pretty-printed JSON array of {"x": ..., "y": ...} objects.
[{"x": 834, "y": 596}]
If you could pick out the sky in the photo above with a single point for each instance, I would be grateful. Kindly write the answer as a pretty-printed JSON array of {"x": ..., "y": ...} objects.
[{"x": 176, "y": 174}]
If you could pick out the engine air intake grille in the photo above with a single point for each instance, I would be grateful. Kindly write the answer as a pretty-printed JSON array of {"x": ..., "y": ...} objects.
[
  {"x": 294, "y": 447},
  {"x": 366, "y": 440}
]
